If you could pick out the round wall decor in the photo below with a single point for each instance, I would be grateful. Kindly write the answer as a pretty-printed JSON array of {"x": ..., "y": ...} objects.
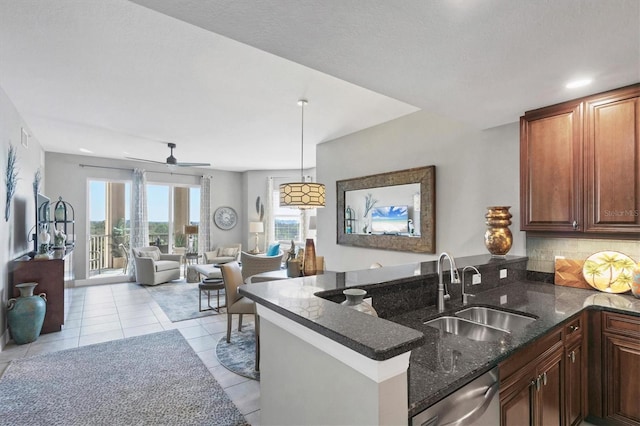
[{"x": 225, "y": 218}]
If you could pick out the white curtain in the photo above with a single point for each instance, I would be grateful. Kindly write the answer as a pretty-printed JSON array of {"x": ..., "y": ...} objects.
[
  {"x": 204, "y": 229},
  {"x": 269, "y": 235},
  {"x": 139, "y": 219}
]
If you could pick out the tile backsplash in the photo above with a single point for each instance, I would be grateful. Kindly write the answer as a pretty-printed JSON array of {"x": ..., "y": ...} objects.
[{"x": 542, "y": 251}]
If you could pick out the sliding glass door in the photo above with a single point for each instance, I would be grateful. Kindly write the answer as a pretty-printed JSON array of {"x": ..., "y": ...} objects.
[
  {"x": 109, "y": 226},
  {"x": 174, "y": 216},
  {"x": 173, "y": 212}
]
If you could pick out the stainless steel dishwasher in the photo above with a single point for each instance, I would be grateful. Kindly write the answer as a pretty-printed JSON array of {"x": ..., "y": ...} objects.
[{"x": 476, "y": 403}]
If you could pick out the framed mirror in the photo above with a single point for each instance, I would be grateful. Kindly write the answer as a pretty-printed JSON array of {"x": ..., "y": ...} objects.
[{"x": 392, "y": 211}]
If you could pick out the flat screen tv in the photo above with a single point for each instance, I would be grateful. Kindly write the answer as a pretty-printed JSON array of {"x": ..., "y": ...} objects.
[{"x": 390, "y": 220}]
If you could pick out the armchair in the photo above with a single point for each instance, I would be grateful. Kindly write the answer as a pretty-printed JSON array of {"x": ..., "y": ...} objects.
[
  {"x": 255, "y": 264},
  {"x": 153, "y": 267}
]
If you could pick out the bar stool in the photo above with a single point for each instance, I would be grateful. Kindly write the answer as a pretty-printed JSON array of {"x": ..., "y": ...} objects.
[{"x": 208, "y": 285}]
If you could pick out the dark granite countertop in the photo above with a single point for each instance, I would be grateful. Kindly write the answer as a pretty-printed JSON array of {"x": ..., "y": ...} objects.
[
  {"x": 296, "y": 299},
  {"x": 433, "y": 373}
]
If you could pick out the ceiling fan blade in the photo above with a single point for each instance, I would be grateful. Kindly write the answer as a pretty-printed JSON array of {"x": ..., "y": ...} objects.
[
  {"x": 193, "y": 164},
  {"x": 145, "y": 160}
]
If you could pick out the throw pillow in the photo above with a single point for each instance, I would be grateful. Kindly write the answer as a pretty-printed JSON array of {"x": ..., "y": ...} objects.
[
  {"x": 273, "y": 250},
  {"x": 229, "y": 252}
]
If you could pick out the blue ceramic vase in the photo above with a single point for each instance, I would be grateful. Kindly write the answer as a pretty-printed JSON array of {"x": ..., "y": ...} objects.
[{"x": 25, "y": 314}]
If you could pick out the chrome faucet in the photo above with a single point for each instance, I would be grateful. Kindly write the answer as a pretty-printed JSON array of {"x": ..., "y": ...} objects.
[
  {"x": 443, "y": 291},
  {"x": 465, "y": 296}
]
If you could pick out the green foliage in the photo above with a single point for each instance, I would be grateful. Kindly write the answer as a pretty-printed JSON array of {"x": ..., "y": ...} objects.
[
  {"x": 180, "y": 240},
  {"x": 118, "y": 236}
]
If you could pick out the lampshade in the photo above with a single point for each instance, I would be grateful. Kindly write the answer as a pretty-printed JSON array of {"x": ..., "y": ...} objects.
[
  {"x": 190, "y": 229},
  {"x": 303, "y": 195},
  {"x": 257, "y": 227}
]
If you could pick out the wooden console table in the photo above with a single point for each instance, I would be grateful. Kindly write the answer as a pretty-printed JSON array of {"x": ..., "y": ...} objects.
[{"x": 50, "y": 276}]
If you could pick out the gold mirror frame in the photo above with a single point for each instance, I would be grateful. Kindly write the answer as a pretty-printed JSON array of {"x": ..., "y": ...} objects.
[{"x": 426, "y": 242}]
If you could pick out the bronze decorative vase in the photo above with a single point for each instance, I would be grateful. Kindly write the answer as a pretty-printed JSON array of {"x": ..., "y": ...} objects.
[
  {"x": 309, "y": 266},
  {"x": 498, "y": 238}
]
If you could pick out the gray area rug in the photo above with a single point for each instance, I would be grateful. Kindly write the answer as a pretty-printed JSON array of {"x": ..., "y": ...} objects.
[
  {"x": 239, "y": 356},
  {"x": 155, "y": 379},
  {"x": 179, "y": 300}
]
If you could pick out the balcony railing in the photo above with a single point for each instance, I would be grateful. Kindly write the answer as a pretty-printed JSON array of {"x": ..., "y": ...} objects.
[{"x": 99, "y": 246}]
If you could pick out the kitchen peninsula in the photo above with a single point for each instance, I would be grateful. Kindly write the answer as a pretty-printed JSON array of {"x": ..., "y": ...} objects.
[{"x": 328, "y": 364}]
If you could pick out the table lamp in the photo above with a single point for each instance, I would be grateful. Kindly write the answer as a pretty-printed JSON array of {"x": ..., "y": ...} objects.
[
  {"x": 190, "y": 231},
  {"x": 257, "y": 228}
]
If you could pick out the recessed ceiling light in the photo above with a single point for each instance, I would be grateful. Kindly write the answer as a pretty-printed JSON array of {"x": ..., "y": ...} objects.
[
  {"x": 578, "y": 83},
  {"x": 86, "y": 151}
]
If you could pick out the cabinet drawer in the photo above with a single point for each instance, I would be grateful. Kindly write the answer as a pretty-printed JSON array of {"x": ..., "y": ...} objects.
[
  {"x": 573, "y": 329},
  {"x": 626, "y": 325},
  {"x": 513, "y": 367}
]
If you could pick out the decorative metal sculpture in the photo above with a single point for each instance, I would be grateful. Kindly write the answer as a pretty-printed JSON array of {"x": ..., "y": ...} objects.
[{"x": 11, "y": 179}]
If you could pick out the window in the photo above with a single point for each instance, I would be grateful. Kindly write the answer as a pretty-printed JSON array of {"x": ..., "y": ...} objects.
[{"x": 287, "y": 222}]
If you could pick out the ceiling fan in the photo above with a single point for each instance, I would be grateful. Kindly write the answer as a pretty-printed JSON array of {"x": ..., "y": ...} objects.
[{"x": 171, "y": 160}]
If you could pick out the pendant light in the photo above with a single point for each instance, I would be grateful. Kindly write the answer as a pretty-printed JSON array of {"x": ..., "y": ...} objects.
[{"x": 303, "y": 195}]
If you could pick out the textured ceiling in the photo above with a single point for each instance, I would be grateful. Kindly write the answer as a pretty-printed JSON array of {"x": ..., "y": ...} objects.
[{"x": 221, "y": 78}]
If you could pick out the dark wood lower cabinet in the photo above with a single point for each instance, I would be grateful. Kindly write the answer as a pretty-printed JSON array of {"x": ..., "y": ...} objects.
[
  {"x": 549, "y": 394},
  {"x": 621, "y": 352},
  {"x": 531, "y": 384},
  {"x": 516, "y": 405},
  {"x": 545, "y": 384},
  {"x": 575, "y": 384}
]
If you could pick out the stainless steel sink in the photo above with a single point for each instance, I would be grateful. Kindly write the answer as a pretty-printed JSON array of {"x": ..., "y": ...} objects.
[
  {"x": 495, "y": 318},
  {"x": 469, "y": 329}
]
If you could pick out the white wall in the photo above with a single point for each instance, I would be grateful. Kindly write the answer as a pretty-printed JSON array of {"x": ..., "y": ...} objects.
[
  {"x": 474, "y": 169},
  {"x": 66, "y": 178},
  {"x": 16, "y": 233}
]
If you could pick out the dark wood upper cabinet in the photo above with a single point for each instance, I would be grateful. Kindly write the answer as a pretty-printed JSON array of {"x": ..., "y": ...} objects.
[
  {"x": 551, "y": 168},
  {"x": 580, "y": 165},
  {"x": 612, "y": 163}
]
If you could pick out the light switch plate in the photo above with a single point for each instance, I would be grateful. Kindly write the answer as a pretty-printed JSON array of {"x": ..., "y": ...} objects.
[
  {"x": 503, "y": 273},
  {"x": 476, "y": 279},
  {"x": 503, "y": 299}
]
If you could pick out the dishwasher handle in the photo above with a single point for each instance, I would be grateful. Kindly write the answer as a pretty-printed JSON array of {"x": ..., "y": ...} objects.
[{"x": 473, "y": 415}]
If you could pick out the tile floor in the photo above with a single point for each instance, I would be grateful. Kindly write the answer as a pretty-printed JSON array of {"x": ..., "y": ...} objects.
[{"x": 109, "y": 312}]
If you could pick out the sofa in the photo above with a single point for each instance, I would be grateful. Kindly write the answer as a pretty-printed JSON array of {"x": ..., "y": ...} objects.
[
  {"x": 223, "y": 254},
  {"x": 154, "y": 267}
]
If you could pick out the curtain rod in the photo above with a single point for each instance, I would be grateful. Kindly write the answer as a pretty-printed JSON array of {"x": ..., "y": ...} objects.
[{"x": 130, "y": 170}]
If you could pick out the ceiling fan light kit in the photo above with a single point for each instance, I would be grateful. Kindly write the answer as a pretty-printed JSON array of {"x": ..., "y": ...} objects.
[
  {"x": 302, "y": 195},
  {"x": 171, "y": 160}
]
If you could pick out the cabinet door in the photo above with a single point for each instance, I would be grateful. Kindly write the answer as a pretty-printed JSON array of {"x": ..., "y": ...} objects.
[
  {"x": 516, "y": 405},
  {"x": 612, "y": 163},
  {"x": 550, "y": 401},
  {"x": 551, "y": 169},
  {"x": 622, "y": 383},
  {"x": 575, "y": 384}
]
